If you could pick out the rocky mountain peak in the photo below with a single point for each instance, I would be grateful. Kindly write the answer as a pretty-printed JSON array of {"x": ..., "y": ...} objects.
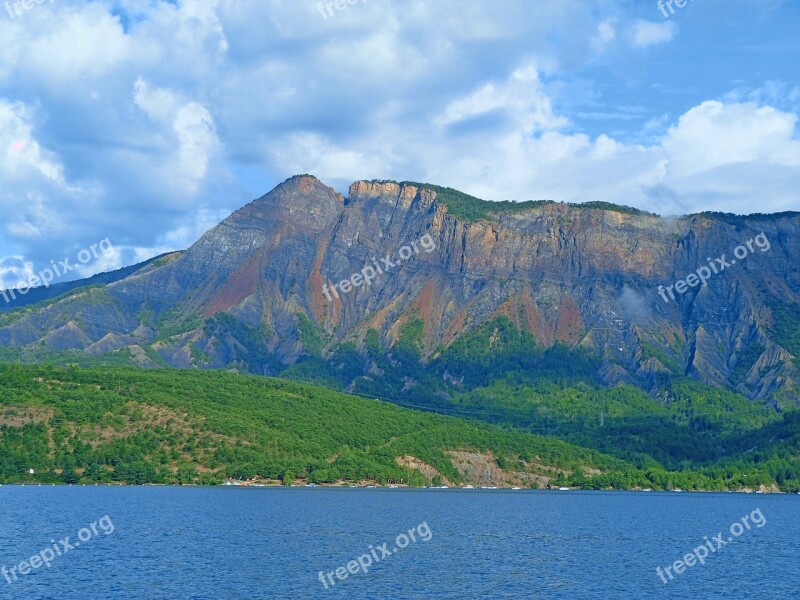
[
  {"x": 391, "y": 192},
  {"x": 259, "y": 290}
]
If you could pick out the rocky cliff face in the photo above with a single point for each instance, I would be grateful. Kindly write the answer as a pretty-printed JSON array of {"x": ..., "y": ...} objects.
[{"x": 261, "y": 285}]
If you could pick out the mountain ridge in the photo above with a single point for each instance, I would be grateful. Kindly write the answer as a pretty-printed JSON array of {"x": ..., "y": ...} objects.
[{"x": 586, "y": 277}]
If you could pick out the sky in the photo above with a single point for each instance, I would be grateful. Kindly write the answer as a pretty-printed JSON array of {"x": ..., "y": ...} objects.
[{"x": 146, "y": 122}]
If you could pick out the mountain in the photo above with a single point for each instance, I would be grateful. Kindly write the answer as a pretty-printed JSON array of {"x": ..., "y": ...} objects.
[
  {"x": 14, "y": 299},
  {"x": 589, "y": 321},
  {"x": 587, "y": 277}
]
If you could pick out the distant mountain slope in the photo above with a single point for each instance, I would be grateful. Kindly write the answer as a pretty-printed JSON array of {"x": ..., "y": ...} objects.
[{"x": 13, "y": 299}]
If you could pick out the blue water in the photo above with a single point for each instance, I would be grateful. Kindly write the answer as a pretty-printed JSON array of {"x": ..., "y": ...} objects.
[{"x": 272, "y": 543}]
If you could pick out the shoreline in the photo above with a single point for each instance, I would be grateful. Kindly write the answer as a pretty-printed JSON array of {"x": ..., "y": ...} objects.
[{"x": 398, "y": 487}]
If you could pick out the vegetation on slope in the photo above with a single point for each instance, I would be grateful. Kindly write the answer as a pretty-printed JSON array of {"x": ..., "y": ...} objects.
[
  {"x": 496, "y": 374},
  {"x": 469, "y": 208},
  {"x": 499, "y": 375},
  {"x": 166, "y": 426}
]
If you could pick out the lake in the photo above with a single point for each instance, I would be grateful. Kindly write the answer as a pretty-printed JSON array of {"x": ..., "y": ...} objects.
[{"x": 210, "y": 543}]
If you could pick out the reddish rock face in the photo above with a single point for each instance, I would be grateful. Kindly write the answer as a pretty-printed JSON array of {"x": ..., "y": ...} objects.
[{"x": 585, "y": 277}]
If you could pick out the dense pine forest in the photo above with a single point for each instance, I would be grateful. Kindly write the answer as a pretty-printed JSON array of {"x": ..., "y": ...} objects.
[{"x": 162, "y": 426}]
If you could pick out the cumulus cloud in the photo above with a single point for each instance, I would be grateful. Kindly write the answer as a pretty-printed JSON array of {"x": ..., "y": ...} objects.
[
  {"x": 714, "y": 134},
  {"x": 716, "y": 156},
  {"x": 149, "y": 122},
  {"x": 521, "y": 99},
  {"x": 101, "y": 260},
  {"x": 85, "y": 43},
  {"x": 648, "y": 33},
  {"x": 15, "y": 272},
  {"x": 606, "y": 33},
  {"x": 195, "y": 140},
  {"x": 33, "y": 177},
  {"x": 24, "y": 156}
]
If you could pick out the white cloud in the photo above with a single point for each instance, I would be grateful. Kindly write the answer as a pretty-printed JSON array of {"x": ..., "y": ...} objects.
[
  {"x": 35, "y": 196},
  {"x": 312, "y": 153},
  {"x": 159, "y": 104},
  {"x": 179, "y": 238},
  {"x": 151, "y": 126},
  {"x": 779, "y": 94},
  {"x": 648, "y": 33},
  {"x": 197, "y": 137},
  {"x": 15, "y": 271},
  {"x": 22, "y": 156},
  {"x": 606, "y": 33},
  {"x": 716, "y": 157},
  {"x": 70, "y": 45},
  {"x": 714, "y": 134},
  {"x": 521, "y": 98},
  {"x": 198, "y": 23},
  {"x": 193, "y": 129}
]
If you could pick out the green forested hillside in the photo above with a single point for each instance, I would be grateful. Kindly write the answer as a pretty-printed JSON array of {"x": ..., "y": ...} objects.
[
  {"x": 167, "y": 426},
  {"x": 555, "y": 392},
  {"x": 74, "y": 424},
  {"x": 497, "y": 374}
]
